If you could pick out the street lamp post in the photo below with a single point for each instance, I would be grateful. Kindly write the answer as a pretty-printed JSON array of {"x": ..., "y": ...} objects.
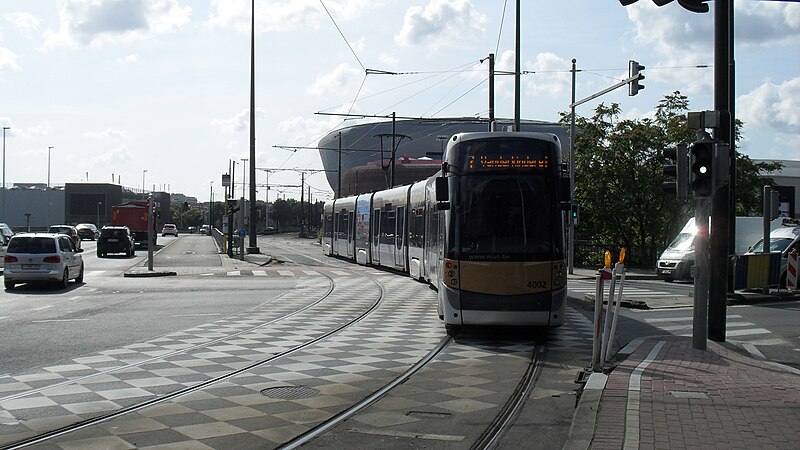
[
  {"x": 48, "y": 166},
  {"x": 143, "y": 174},
  {"x": 4, "y": 170}
]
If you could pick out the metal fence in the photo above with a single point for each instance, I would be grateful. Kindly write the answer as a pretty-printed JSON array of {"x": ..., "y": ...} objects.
[{"x": 589, "y": 254}]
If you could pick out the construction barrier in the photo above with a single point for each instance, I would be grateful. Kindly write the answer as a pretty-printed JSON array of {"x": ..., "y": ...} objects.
[
  {"x": 758, "y": 270},
  {"x": 791, "y": 271}
]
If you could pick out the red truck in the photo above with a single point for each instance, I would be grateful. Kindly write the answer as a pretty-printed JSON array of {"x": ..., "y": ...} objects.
[{"x": 133, "y": 214}]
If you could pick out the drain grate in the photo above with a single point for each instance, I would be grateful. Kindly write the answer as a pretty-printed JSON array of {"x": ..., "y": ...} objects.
[
  {"x": 290, "y": 392},
  {"x": 688, "y": 394}
]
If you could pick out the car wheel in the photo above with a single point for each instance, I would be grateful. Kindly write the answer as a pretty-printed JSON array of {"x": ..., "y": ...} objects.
[
  {"x": 163, "y": 235},
  {"x": 9, "y": 284},
  {"x": 80, "y": 276},
  {"x": 65, "y": 278}
]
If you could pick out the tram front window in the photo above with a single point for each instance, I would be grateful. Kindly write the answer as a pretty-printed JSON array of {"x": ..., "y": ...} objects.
[{"x": 507, "y": 218}]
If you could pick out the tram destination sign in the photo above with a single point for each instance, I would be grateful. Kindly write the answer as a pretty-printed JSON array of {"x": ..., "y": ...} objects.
[{"x": 511, "y": 161}]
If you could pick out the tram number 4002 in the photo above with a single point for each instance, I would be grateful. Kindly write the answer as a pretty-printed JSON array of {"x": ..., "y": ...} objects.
[{"x": 537, "y": 284}]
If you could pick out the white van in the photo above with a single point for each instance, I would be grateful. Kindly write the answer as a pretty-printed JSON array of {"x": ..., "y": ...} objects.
[
  {"x": 783, "y": 240},
  {"x": 677, "y": 260}
]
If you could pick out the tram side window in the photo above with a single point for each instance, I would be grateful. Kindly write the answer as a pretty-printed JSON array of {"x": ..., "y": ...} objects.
[
  {"x": 328, "y": 226},
  {"x": 376, "y": 217},
  {"x": 416, "y": 227},
  {"x": 387, "y": 225},
  {"x": 342, "y": 229}
]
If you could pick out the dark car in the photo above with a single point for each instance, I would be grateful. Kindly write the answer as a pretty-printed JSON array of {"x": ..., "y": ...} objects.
[
  {"x": 115, "y": 240},
  {"x": 69, "y": 230},
  {"x": 87, "y": 231}
]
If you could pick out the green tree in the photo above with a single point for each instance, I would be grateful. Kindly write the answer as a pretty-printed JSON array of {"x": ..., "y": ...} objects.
[{"x": 618, "y": 168}]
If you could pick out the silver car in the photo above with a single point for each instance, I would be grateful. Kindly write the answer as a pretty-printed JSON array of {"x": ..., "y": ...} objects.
[{"x": 32, "y": 257}]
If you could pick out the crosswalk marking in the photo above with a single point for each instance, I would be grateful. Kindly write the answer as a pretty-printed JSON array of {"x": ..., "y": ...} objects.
[
  {"x": 286, "y": 273},
  {"x": 310, "y": 272},
  {"x": 339, "y": 272},
  {"x": 234, "y": 273},
  {"x": 684, "y": 318},
  {"x": 259, "y": 273}
]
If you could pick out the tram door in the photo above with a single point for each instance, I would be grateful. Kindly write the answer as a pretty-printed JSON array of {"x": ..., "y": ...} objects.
[
  {"x": 399, "y": 236},
  {"x": 335, "y": 236},
  {"x": 376, "y": 236},
  {"x": 351, "y": 230}
]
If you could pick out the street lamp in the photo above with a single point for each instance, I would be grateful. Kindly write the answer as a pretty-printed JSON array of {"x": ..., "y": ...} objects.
[
  {"x": 244, "y": 175},
  {"x": 4, "y": 170},
  {"x": 48, "y": 166},
  {"x": 143, "y": 173}
]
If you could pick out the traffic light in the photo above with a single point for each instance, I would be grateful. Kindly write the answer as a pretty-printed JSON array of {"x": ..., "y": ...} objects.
[
  {"x": 634, "y": 70},
  {"x": 702, "y": 171},
  {"x": 679, "y": 170},
  {"x": 576, "y": 213},
  {"x": 233, "y": 206}
]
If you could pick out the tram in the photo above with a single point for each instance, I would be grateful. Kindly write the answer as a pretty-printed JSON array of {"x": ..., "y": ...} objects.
[{"x": 487, "y": 231}]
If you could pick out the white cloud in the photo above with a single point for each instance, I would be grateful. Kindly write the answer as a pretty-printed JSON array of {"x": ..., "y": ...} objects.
[
  {"x": 441, "y": 23},
  {"x": 34, "y": 131},
  {"x": 133, "y": 58},
  {"x": 109, "y": 133},
  {"x": 550, "y": 77},
  {"x": 8, "y": 60},
  {"x": 341, "y": 79},
  {"x": 274, "y": 16},
  {"x": 236, "y": 124},
  {"x": 771, "y": 106},
  {"x": 23, "y": 21},
  {"x": 387, "y": 60},
  {"x": 763, "y": 23},
  {"x": 115, "y": 157},
  {"x": 98, "y": 22}
]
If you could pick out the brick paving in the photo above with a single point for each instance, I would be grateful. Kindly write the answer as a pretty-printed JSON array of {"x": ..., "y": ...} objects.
[{"x": 671, "y": 395}]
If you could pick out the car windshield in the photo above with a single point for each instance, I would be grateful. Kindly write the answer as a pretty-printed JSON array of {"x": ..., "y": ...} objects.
[
  {"x": 60, "y": 230},
  {"x": 684, "y": 241},
  {"x": 775, "y": 245},
  {"x": 31, "y": 245}
]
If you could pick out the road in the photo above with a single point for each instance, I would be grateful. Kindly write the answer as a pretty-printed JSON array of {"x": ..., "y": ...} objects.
[{"x": 321, "y": 330}]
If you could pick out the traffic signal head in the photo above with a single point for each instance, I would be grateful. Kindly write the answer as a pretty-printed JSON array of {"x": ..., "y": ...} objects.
[
  {"x": 677, "y": 167},
  {"x": 634, "y": 72},
  {"x": 702, "y": 170},
  {"x": 233, "y": 206}
]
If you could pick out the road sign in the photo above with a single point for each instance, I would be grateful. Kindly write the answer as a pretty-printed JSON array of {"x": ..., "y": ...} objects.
[{"x": 242, "y": 233}]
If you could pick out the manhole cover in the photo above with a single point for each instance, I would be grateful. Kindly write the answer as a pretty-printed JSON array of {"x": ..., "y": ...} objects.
[
  {"x": 290, "y": 392},
  {"x": 687, "y": 394}
]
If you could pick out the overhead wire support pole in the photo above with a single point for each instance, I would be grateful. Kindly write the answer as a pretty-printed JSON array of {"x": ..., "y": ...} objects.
[
  {"x": 571, "y": 237},
  {"x": 252, "y": 247}
]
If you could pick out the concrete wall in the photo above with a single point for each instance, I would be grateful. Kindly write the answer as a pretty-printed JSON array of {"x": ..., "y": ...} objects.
[{"x": 46, "y": 207}]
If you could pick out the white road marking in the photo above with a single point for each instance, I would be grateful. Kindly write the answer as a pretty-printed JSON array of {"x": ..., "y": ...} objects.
[
  {"x": 285, "y": 273},
  {"x": 259, "y": 273},
  {"x": 234, "y": 273},
  {"x": 42, "y": 308},
  {"x": 60, "y": 320}
]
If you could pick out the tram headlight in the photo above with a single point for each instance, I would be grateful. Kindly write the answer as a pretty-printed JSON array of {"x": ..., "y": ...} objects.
[{"x": 451, "y": 274}]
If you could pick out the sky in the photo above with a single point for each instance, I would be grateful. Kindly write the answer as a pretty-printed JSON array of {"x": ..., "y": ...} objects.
[{"x": 156, "y": 93}]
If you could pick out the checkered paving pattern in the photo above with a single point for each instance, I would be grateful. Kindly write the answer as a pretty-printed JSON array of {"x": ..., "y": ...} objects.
[
  {"x": 470, "y": 380},
  {"x": 472, "y": 376},
  {"x": 96, "y": 385}
]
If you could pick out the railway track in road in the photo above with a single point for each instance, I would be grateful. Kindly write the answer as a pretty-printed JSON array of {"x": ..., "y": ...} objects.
[{"x": 9, "y": 404}]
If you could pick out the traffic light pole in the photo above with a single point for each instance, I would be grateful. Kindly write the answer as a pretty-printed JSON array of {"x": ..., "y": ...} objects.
[{"x": 702, "y": 213}]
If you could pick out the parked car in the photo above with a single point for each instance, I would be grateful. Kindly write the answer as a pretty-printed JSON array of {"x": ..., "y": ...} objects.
[
  {"x": 192, "y": 230},
  {"x": 87, "y": 231},
  {"x": 169, "y": 228},
  {"x": 69, "y": 230},
  {"x": 6, "y": 231},
  {"x": 115, "y": 240},
  {"x": 3, "y": 244},
  {"x": 33, "y": 257}
]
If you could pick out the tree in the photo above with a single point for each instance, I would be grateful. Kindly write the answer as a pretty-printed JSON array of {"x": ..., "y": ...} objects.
[{"x": 618, "y": 167}]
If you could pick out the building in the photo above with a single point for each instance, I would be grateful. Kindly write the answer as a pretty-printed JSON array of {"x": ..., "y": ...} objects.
[
  {"x": 787, "y": 182},
  {"x": 361, "y": 148}
]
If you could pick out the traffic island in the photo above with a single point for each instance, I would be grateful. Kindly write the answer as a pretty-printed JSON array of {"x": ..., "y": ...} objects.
[{"x": 144, "y": 273}]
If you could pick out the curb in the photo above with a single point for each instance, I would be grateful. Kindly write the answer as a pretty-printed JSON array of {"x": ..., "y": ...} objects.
[{"x": 149, "y": 274}]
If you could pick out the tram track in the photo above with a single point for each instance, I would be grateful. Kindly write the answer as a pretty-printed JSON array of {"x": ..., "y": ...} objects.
[{"x": 93, "y": 421}]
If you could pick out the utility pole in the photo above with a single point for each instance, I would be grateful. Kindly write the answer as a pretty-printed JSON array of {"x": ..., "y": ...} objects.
[
  {"x": 517, "y": 71},
  {"x": 339, "y": 171},
  {"x": 302, "y": 210},
  {"x": 491, "y": 91},
  {"x": 571, "y": 237},
  {"x": 394, "y": 148},
  {"x": 252, "y": 246}
]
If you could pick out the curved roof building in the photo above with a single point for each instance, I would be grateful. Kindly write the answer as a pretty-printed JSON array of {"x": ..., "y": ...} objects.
[{"x": 366, "y": 149}]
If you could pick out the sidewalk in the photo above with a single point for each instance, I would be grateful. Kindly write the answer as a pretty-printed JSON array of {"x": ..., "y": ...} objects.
[{"x": 667, "y": 394}]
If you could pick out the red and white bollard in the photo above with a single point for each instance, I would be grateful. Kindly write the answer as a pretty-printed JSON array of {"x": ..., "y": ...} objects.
[{"x": 791, "y": 271}]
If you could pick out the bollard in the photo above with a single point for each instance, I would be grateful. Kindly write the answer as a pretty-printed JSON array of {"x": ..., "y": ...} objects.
[
  {"x": 602, "y": 275},
  {"x": 791, "y": 271}
]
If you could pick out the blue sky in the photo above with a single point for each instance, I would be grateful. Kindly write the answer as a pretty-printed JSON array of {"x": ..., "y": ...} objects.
[{"x": 118, "y": 87}]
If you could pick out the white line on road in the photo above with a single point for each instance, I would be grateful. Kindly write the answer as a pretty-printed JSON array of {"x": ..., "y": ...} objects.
[
  {"x": 259, "y": 273},
  {"x": 196, "y": 315},
  {"x": 42, "y": 308},
  {"x": 285, "y": 273},
  {"x": 60, "y": 320},
  {"x": 684, "y": 318},
  {"x": 75, "y": 298},
  {"x": 234, "y": 273}
]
